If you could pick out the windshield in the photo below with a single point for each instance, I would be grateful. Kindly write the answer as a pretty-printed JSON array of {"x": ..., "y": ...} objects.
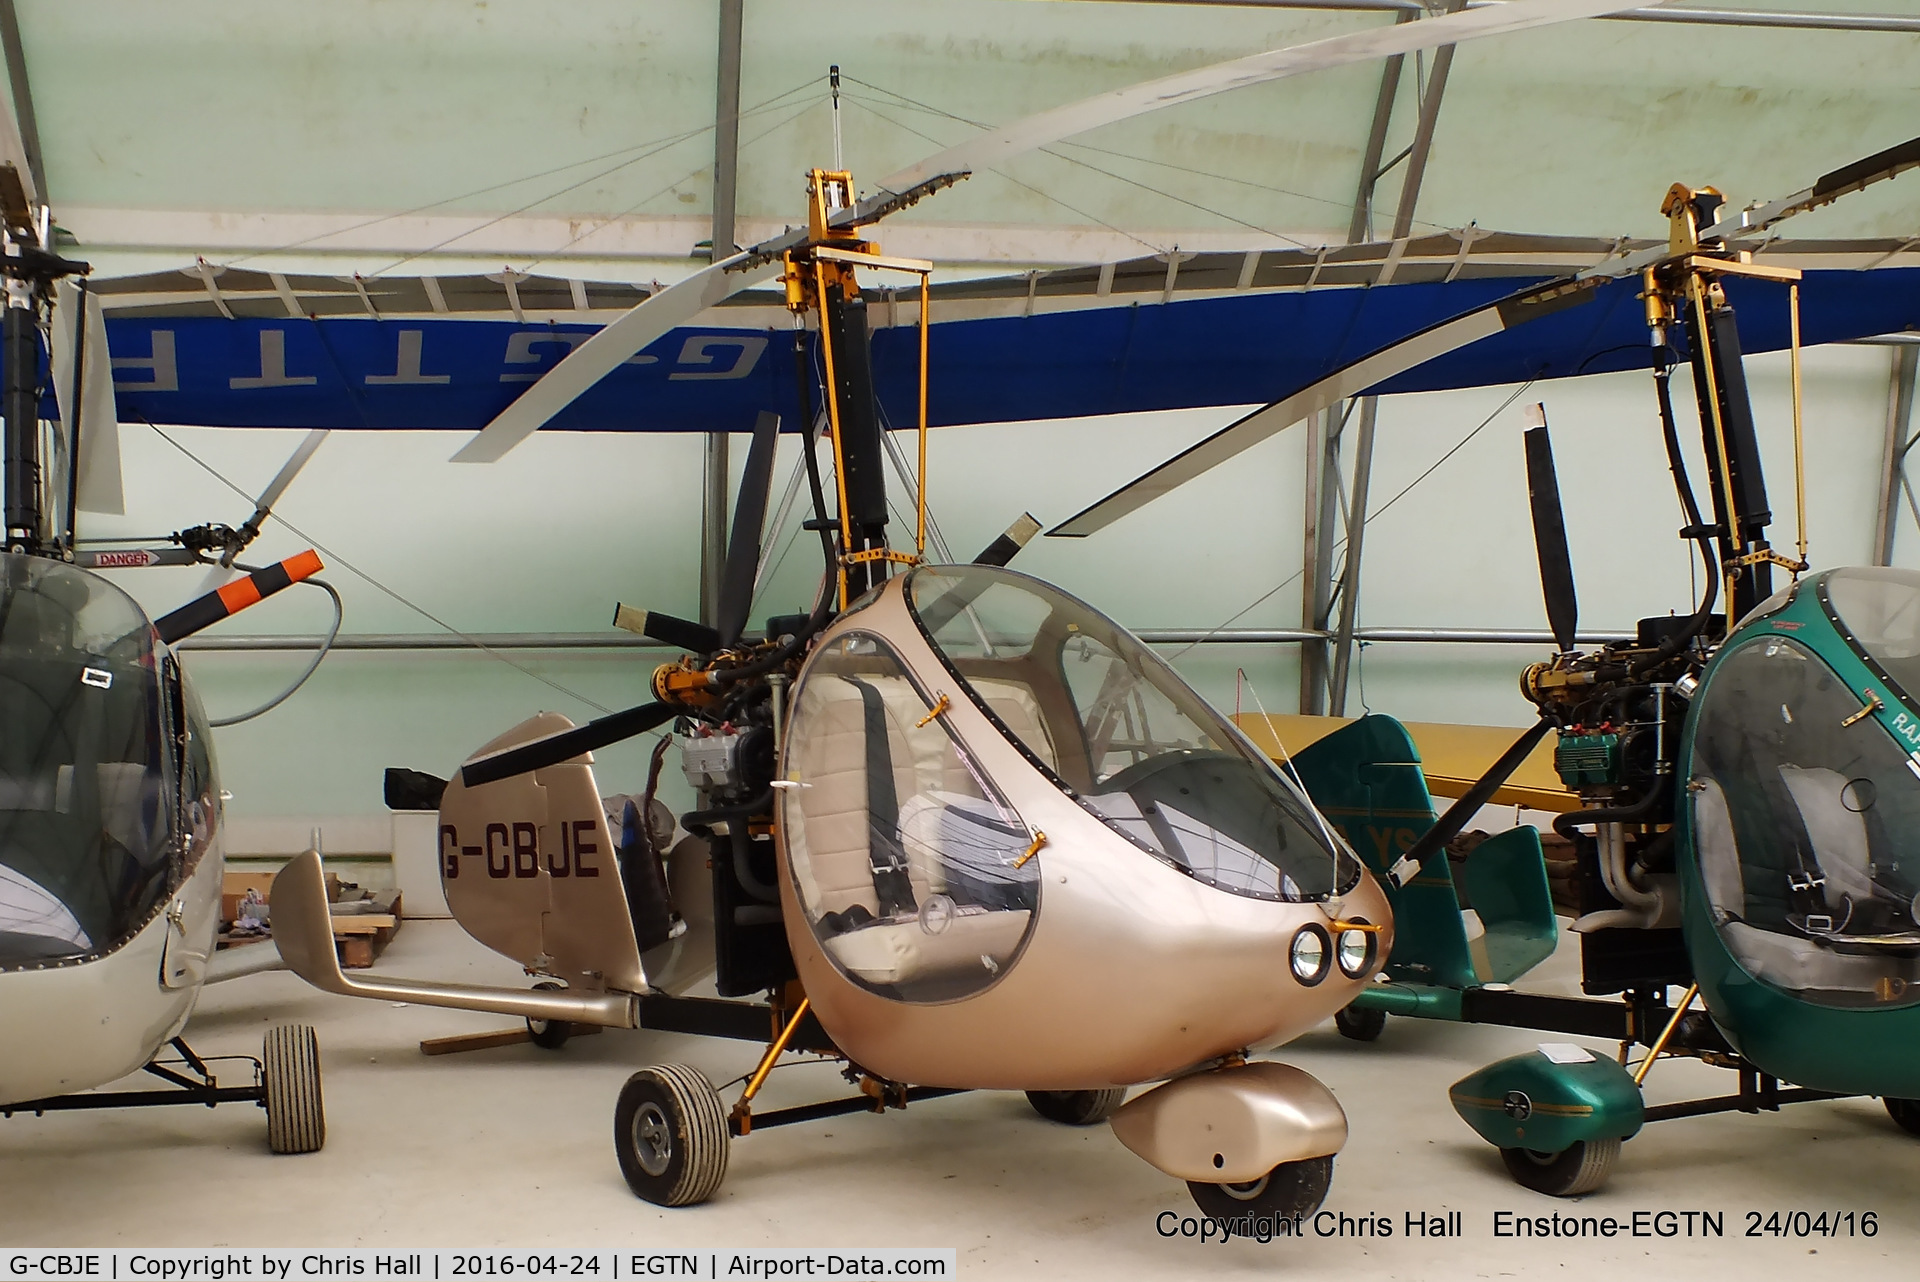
[
  {"x": 1114, "y": 725},
  {"x": 1803, "y": 813},
  {"x": 84, "y": 831},
  {"x": 1878, "y": 610}
]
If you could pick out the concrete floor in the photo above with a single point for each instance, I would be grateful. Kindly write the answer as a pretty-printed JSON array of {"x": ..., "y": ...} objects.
[{"x": 511, "y": 1147}]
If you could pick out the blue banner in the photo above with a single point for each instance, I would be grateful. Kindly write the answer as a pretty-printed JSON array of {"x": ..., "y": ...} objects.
[{"x": 1253, "y": 348}]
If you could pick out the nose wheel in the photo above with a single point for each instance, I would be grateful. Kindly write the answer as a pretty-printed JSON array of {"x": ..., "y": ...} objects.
[
  {"x": 1077, "y": 1108},
  {"x": 670, "y": 1134},
  {"x": 1291, "y": 1189}
]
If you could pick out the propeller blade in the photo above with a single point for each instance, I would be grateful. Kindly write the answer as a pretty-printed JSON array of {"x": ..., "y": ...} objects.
[
  {"x": 607, "y": 350},
  {"x": 600, "y": 355},
  {"x": 669, "y": 628},
  {"x": 1550, "y": 531},
  {"x": 205, "y": 611},
  {"x": 1017, "y": 536},
  {"x": 566, "y": 745},
  {"x": 100, "y": 488},
  {"x": 1448, "y": 826},
  {"x": 749, "y": 522}
]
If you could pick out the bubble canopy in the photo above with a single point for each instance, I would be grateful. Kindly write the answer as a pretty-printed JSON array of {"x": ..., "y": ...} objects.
[
  {"x": 1118, "y": 731},
  {"x": 85, "y": 828}
]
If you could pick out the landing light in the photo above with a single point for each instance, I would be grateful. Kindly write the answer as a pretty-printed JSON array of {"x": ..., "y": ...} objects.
[
  {"x": 1355, "y": 953},
  {"x": 1310, "y": 955}
]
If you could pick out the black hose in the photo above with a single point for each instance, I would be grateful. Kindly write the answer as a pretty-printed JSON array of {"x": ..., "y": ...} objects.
[
  {"x": 822, "y": 610},
  {"x": 743, "y": 870},
  {"x": 760, "y": 805},
  {"x": 803, "y": 377},
  {"x": 1676, "y": 463},
  {"x": 1569, "y": 824}
]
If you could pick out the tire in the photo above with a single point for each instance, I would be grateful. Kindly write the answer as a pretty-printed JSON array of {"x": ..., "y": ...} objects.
[
  {"x": 548, "y": 1034},
  {"x": 290, "y": 1073},
  {"x": 1291, "y": 1189},
  {"x": 1905, "y": 1112},
  {"x": 670, "y": 1133},
  {"x": 1077, "y": 1108},
  {"x": 1360, "y": 1024},
  {"x": 1581, "y": 1168}
]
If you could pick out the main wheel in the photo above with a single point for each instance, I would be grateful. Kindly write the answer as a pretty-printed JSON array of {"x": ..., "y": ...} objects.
[
  {"x": 1361, "y": 1024},
  {"x": 290, "y": 1071},
  {"x": 1580, "y": 1168},
  {"x": 1906, "y": 1112},
  {"x": 1077, "y": 1108},
  {"x": 670, "y": 1132},
  {"x": 548, "y": 1034},
  {"x": 1290, "y": 1189}
]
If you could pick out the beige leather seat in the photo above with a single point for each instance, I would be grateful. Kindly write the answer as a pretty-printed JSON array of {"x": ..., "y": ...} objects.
[{"x": 830, "y": 844}]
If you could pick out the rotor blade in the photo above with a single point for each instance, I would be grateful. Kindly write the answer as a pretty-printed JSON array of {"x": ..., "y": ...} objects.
[
  {"x": 1550, "y": 531},
  {"x": 100, "y": 488},
  {"x": 205, "y": 611},
  {"x": 1448, "y": 826},
  {"x": 994, "y": 147},
  {"x": 600, "y": 355},
  {"x": 1350, "y": 380},
  {"x": 1756, "y": 219},
  {"x": 749, "y": 521},
  {"x": 1017, "y": 535},
  {"x": 566, "y": 745},
  {"x": 1451, "y": 335},
  {"x": 607, "y": 350}
]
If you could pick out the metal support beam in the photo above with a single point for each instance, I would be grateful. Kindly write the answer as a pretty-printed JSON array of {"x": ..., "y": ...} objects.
[
  {"x": 726, "y": 168},
  {"x": 1893, "y": 458},
  {"x": 1356, "y": 539},
  {"x": 22, "y": 95},
  {"x": 1423, "y": 135},
  {"x": 1790, "y": 20},
  {"x": 726, "y": 128},
  {"x": 1360, "y": 228},
  {"x": 1323, "y": 514}
]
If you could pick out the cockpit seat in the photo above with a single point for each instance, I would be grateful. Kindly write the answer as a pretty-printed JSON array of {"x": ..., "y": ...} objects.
[
  {"x": 1837, "y": 832},
  {"x": 943, "y": 821}
]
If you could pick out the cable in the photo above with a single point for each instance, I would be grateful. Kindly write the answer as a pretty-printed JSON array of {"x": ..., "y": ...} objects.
[
  {"x": 326, "y": 645},
  {"x": 337, "y": 559},
  {"x": 1515, "y": 395},
  {"x": 667, "y": 140}
]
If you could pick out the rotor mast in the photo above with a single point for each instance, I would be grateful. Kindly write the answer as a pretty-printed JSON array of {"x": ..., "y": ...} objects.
[
  {"x": 1686, "y": 290},
  {"x": 819, "y": 278}
]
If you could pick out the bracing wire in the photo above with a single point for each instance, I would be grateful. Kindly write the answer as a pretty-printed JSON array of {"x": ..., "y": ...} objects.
[{"x": 334, "y": 558}]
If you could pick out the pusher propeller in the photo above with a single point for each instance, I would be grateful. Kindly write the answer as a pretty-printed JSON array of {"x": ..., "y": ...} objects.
[
  {"x": 1550, "y": 531},
  {"x": 749, "y": 522},
  {"x": 1563, "y": 610},
  {"x": 566, "y": 745}
]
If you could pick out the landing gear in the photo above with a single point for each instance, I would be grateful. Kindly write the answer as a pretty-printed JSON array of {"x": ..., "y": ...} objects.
[
  {"x": 290, "y": 1078},
  {"x": 1077, "y": 1108},
  {"x": 1360, "y": 1024},
  {"x": 1905, "y": 1112},
  {"x": 548, "y": 1034},
  {"x": 670, "y": 1133},
  {"x": 1291, "y": 1189},
  {"x": 1579, "y": 1168}
]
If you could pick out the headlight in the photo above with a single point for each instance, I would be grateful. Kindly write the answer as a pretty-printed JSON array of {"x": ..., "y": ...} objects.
[
  {"x": 1355, "y": 953},
  {"x": 1310, "y": 955}
]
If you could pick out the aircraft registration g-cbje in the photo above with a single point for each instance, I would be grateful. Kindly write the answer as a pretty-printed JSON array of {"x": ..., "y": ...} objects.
[
  {"x": 110, "y": 804},
  {"x": 1749, "y": 789}
]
